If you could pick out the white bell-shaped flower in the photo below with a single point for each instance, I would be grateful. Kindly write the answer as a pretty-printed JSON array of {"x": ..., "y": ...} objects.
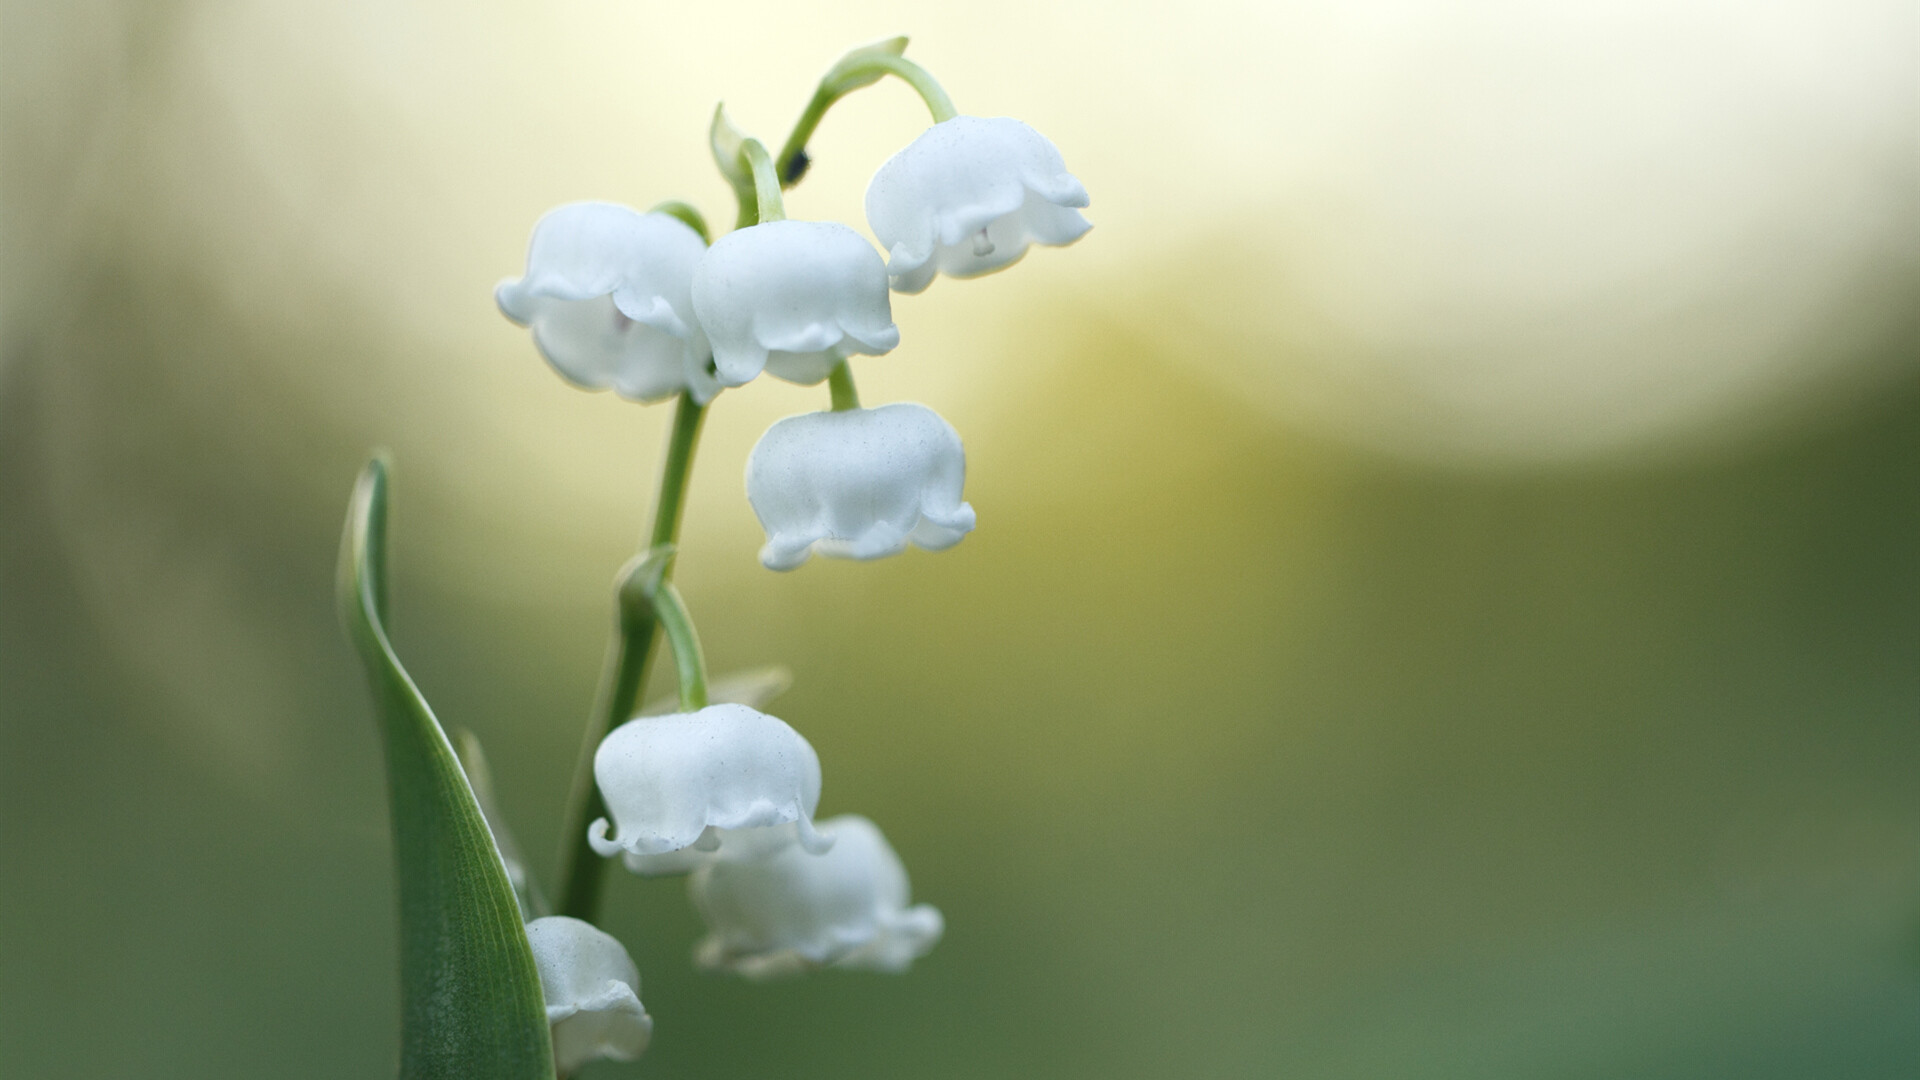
[
  {"x": 793, "y": 298},
  {"x": 793, "y": 911},
  {"x": 609, "y": 295},
  {"x": 724, "y": 776},
  {"x": 592, "y": 991},
  {"x": 717, "y": 845},
  {"x": 858, "y": 484},
  {"x": 968, "y": 197}
]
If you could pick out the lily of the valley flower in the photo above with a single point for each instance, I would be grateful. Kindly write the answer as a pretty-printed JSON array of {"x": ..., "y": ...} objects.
[
  {"x": 793, "y": 910},
  {"x": 729, "y": 845},
  {"x": 793, "y": 298},
  {"x": 592, "y": 993},
  {"x": 968, "y": 196},
  {"x": 721, "y": 777},
  {"x": 609, "y": 295},
  {"x": 858, "y": 484}
]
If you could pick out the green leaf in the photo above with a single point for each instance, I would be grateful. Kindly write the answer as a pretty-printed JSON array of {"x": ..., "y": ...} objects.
[
  {"x": 470, "y": 1004},
  {"x": 473, "y": 759}
]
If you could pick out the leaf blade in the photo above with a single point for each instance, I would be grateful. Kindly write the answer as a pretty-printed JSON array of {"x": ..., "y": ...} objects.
[{"x": 471, "y": 1007}]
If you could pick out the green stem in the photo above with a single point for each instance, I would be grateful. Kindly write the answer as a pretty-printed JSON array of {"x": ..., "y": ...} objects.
[
  {"x": 625, "y": 673},
  {"x": 687, "y": 417},
  {"x": 766, "y": 183},
  {"x": 859, "y": 68},
  {"x": 688, "y": 214},
  {"x": 689, "y": 662},
  {"x": 840, "y": 385},
  {"x": 728, "y": 145}
]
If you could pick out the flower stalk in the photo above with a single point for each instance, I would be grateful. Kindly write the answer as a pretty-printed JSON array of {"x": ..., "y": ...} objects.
[
  {"x": 625, "y": 672},
  {"x": 860, "y": 68},
  {"x": 768, "y": 204},
  {"x": 687, "y": 213},
  {"x": 649, "y": 579},
  {"x": 674, "y": 471},
  {"x": 840, "y": 385}
]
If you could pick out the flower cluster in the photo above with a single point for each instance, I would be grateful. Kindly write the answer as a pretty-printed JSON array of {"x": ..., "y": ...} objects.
[
  {"x": 644, "y": 305},
  {"x": 728, "y": 794},
  {"x": 637, "y": 303}
]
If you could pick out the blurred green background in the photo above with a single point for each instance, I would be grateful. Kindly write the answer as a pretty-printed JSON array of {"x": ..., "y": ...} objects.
[{"x": 1447, "y": 597}]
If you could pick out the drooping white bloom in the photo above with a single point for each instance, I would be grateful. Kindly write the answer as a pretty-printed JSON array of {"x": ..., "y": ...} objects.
[
  {"x": 968, "y": 196},
  {"x": 793, "y": 910},
  {"x": 717, "y": 845},
  {"x": 592, "y": 991},
  {"x": 726, "y": 775},
  {"x": 858, "y": 484},
  {"x": 609, "y": 295},
  {"x": 793, "y": 298}
]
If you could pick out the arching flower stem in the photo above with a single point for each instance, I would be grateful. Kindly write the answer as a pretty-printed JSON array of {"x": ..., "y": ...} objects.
[
  {"x": 840, "y": 385},
  {"x": 647, "y": 586},
  {"x": 766, "y": 183},
  {"x": 860, "y": 68},
  {"x": 686, "y": 213},
  {"x": 625, "y": 672}
]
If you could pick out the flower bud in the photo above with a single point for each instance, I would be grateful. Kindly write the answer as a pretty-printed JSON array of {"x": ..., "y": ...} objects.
[
  {"x": 793, "y": 298},
  {"x": 609, "y": 295},
  {"x": 793, "y": 911},
  {"x": 592, "y": 993},
  {"x": 858, "y": 484},
  {"x": 697, "y": 780},
  {"x": 967, "y": 198}
]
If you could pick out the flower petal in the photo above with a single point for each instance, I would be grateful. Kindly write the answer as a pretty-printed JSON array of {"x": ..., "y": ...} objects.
[
  {"x": 592, "y": 993},
  {"x": 608, "y": 293},
  {"x": 968, "y": 197},
  {"x": 799, "y": 287},
  {"x": 793, "y": 911},
  {"x": 859, "y": 484},
  {"x": 688, "y": 779}
]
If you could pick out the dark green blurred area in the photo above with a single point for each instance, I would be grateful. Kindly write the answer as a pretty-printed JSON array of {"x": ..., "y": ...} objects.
[{"x": 1225, "y": 752}]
